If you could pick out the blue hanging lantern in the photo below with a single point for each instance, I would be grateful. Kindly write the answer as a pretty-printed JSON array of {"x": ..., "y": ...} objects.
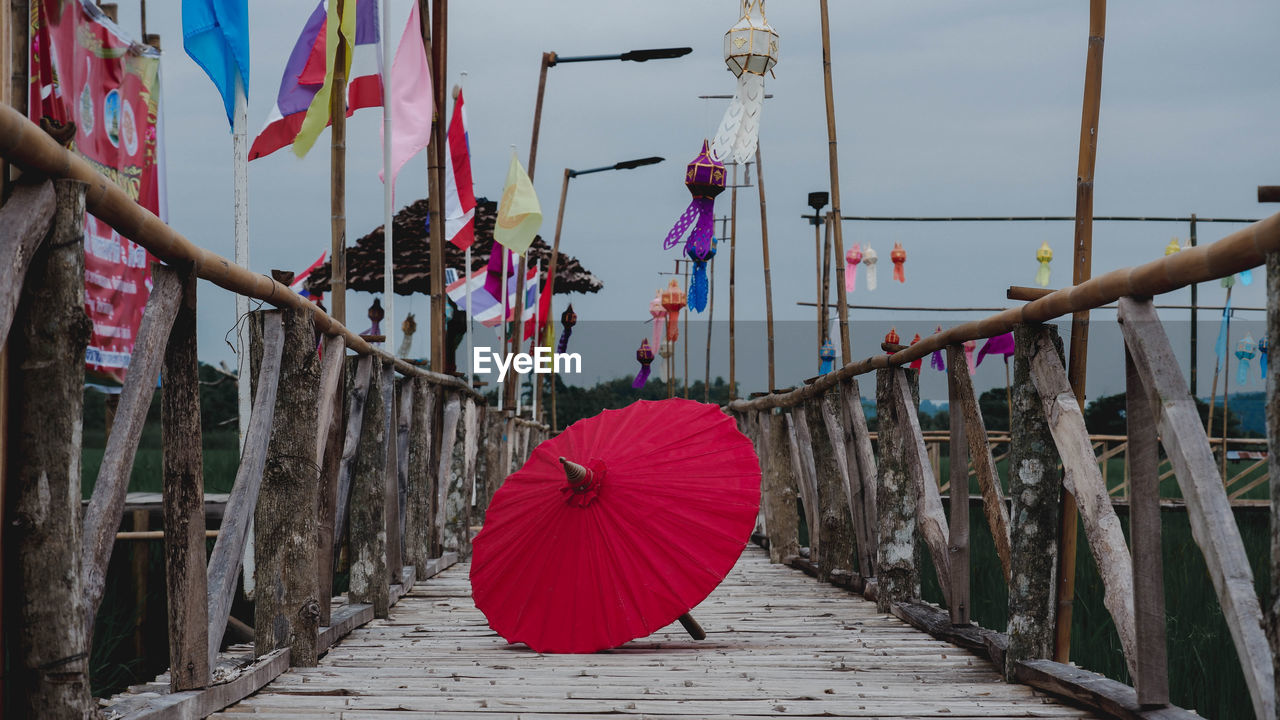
[{"x": 828, "y": 357}]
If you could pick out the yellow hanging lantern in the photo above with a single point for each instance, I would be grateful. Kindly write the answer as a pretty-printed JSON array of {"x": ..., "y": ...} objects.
[
  {"x": 1172, "y": 247},
  {"x": 1044, "y": 256}
]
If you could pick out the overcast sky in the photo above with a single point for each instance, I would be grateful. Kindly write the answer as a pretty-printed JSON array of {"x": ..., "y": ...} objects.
[{"x": 944, "y": 108}]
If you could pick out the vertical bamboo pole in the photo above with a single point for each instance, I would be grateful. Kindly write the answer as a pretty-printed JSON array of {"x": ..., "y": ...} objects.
[
  {"x": 817, "y": 275},
  {"x": 1195, "y": 316},
  {"x": 826, "y": 281},
  {"x": 733, "y": 251},
  {"x": 711, "y": 314},
  {"x": 764, "y": 243},
  {"x": 435, "y": 39},
  {"x": 1082, "y": 265},
  {"x": 389, "y": 190},
  {"x": 834, "y": 161},
  {"x": 552, "y": 267},
  {"x": 548, "y": 59},
  {"x": 338, "y": 186}
]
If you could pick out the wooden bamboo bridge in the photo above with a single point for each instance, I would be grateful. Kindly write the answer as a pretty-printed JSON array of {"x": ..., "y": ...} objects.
[{"x": 353, "y": 451}]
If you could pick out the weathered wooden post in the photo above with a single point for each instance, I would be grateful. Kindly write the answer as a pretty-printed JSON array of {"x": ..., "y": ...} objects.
[
  {"x": 862, "y": 473},
  {"x": 835, "y": 559},
  {"x": 898, "y": 555},
  {"x": 368, "y": 542},
  {"x": 802, "y": 465},
  {"x": 958, "y": 539},
  {"x": 404, "y": 423},
  {"x": 417, "y": 515},
  {"x": 49, "y": 656},
  {"x": 930, "y": 520},
  {"x": 448, "y": 438},
  {"x": 186, "y": 586},
  {"x": 391, "y": 493},
  {"x": 1034, "y": 488},
  {"x": 780, "y": 489},
  {"x": 359, "y": 372},
  {"x": 329, "y": 434},
  {"x": 287, "y": 604}
]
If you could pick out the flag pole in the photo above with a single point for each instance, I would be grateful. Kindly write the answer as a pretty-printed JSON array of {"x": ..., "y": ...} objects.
[
  {"x": 533, "y": 343},
  {"x": 240, "y": 199},
  {"x": 497, "y": 247},
  {"x": 388, "y": 187},
  {"x": 338, "y": 184}
]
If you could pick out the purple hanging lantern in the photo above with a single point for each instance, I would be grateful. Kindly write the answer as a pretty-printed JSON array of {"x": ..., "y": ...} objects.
[
  {"x": 645, "y": 357},
  {"x": 705, "y": 179}
]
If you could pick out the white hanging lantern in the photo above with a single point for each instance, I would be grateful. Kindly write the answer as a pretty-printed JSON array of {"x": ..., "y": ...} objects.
[{"x": 750, "y": 51}]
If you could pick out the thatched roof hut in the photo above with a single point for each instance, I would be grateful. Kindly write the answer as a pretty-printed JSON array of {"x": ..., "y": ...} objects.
[{"x": 413, "y": 257}]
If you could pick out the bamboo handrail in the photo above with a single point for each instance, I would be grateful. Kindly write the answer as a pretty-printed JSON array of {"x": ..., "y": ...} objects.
[
  {"x": 1241, "y": 250},
  {"x": 25, "y": 145}
]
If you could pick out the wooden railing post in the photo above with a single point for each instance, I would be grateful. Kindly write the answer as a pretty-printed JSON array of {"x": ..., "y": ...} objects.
[
  {"x": 836, "y": 553},
  {"x": 329, "y": 434},
  {"x": 417, "y": 515},
  {"x": 802, "y": 465},
  {"x": 448, "y": 439},
  {"x": 958, "y": 454},
  {"x": 897, "y": 559},
  {"x": 186, "y": 586},
  {"x": 287, "y": 605},
  {"x": 359, "y": 372},
  {"x": 1034, "y": 489},
  {"x": 48, "y": 635},
  {"x": 493, "y": 474},
  {"x": 464, "y": 481},
  {"x": 391, "y": 492},
  {"x": 368, "y": 541},
  {"x": 404, "y": 424},
  {"x": 780, "y": 489},
  {"x": 861, "y": 462}
]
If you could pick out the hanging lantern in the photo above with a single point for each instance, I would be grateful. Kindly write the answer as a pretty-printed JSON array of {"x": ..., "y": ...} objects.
[
  {"x": 673, "y": 300},
  {"x": 1172, "y": 247},
  {"x": 851, "y": 259},
  {"x": 918, "y": 362},
  {"x": 704, "y": 177},
  {"x": 869, "y": 260},
  {"x": 1246, "y": 277},
  {"x": 659, "y": 315},
  {"x": 667, "y": 349},
  {"x": 969, "y": 347},
  {"x": 1227, "y": 281},
  {"x": 645, "y": 357},
  {"x": 1244, "y": 353},
  {"x": 899, "y": 258},
  {"x": 892, "y": 338},
  {"x": 699, "y": 286},
  {"x": 567, "y": 320},
  {"x": 935, "y": 360},
  {"x": 1264, "y": 349},
  {"x": 827, "y": 357},
  {"x": 750, "y": 51},
  {"x": 1043, "y": 256}
]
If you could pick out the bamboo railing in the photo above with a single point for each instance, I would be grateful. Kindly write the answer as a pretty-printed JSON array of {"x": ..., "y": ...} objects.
[
  {"x": 870, "y": 500},
  {"x": 349, "y": 450}
]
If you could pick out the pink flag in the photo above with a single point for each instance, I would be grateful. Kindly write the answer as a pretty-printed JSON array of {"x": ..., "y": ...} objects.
[{"x": 411, "y": 105}]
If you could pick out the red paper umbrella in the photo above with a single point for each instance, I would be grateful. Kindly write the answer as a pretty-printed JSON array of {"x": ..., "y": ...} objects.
[{"x": 648, "y": 512}]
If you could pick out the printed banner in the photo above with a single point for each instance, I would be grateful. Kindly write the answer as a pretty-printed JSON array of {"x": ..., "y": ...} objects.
[{"x": 85, "y": 70}]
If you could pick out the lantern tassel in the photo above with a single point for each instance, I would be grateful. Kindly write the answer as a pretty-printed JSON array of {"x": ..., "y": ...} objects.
[
  {"x": 1042, "y": 275},
  {"x": 1242, "y": 370},
  {"x": 658, "y": 322},
  {"x": 563, "y": 345},
  {"x": 969, "y": 346},
  {"x": 739, "y": 130},
  {"x": 1246, "y": 277},
  {"x": 673, "y": 325},
  {"x": 827, "y": 365},
  {"x": 642, "y": 377},
  {"x": 682, "y": 225},
  {"x": 698, "y": 287}
]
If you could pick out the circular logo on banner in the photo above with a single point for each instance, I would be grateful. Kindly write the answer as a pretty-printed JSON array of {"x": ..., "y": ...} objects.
[
  {"x": 111, "y": 117},
  {"x": 129, "y": 129},
  {"x": 86, "y": 111}
]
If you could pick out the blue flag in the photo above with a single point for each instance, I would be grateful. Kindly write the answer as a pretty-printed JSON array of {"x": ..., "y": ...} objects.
[
  {"x": 1220, "y": 347},
  {"x": 215, "y": 34}
]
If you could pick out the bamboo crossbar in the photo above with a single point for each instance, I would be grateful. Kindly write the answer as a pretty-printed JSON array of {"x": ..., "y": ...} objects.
[
  {"x": 1244, "y": 249},
  {"x": 26, "y": 146}
]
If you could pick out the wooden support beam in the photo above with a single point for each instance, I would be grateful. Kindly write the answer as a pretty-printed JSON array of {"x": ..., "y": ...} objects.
[
  {"x": 417, "y": 515},
  {"x": 1084, "y": 481},
  {"x": 1093, "y": 691},
  {"x": 861, "y": 455},
  {"x": 897, "y": 559},
  {"x": 286, "y": 603},
  {"x": 45, "y": 603},
  {"x": 25, "y": 219},
  {"x": 185, "y": 574},
  {"x": 835, "y": 558},
  {"x": 780, "y": 488},
  {"x": 930, "y": 518},
  {"x": 979, "y": 453},
  {"x": 102, "y": 518},
  {"x": 228, "y": 551},
  {"x": 1209, "y": 511},
  {"x": 1035, "y": 485},
  {"x": 391, "y": 493},
  {"x": 448, "y": 439},
  {"x": 360, "y": 378},
  {"x": 368, "y": 545},
  {"x": 1152, "y": 679},
  {"x": 802, "y": 458},
  {"x": 958, "y": 537},
  {"x": 329, "y": 431}
]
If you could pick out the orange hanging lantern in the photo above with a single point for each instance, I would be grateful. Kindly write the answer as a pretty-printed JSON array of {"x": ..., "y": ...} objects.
[
  {"x": 899, "y": 258},
  {"x": 673, "y": 299},
  {"x": 892, "y": 338}
]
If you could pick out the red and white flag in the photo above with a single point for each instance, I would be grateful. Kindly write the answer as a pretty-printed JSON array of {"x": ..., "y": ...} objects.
[{"x": 459, "y": 193}]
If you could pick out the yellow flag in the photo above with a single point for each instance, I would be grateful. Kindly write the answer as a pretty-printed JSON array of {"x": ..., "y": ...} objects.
[
  {"x": 519, "y": 214},
  {"x": 340, "y": 27}
]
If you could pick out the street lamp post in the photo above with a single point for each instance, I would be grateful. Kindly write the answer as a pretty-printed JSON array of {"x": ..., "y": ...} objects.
[
  {"x": 550, "y": 289},
  {"x": 817, "y": 201}
]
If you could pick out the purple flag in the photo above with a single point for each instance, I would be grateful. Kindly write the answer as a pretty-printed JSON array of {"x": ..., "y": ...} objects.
[{"x": 998, "y": 345}]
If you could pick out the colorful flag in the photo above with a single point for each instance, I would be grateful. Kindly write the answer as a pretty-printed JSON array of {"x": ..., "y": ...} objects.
[
  {"x": 998, "y": 345},
  {"x": 487, "y": 310},
  {"x": 411, "y": 104},
  {"x": 305, "y": 72},
  {"x": 519, "y": 214},
  {"x": 493, "y": 277},
  {"x": 531, "y": 314},
  {"x": 215, "y": 34},
  {"x": 459, "y": 193},
  {"x": 299, "y": 284}
]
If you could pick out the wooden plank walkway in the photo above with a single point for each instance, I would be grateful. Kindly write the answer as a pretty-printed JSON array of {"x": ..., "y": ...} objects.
[{"x": 779, "y": 644}]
